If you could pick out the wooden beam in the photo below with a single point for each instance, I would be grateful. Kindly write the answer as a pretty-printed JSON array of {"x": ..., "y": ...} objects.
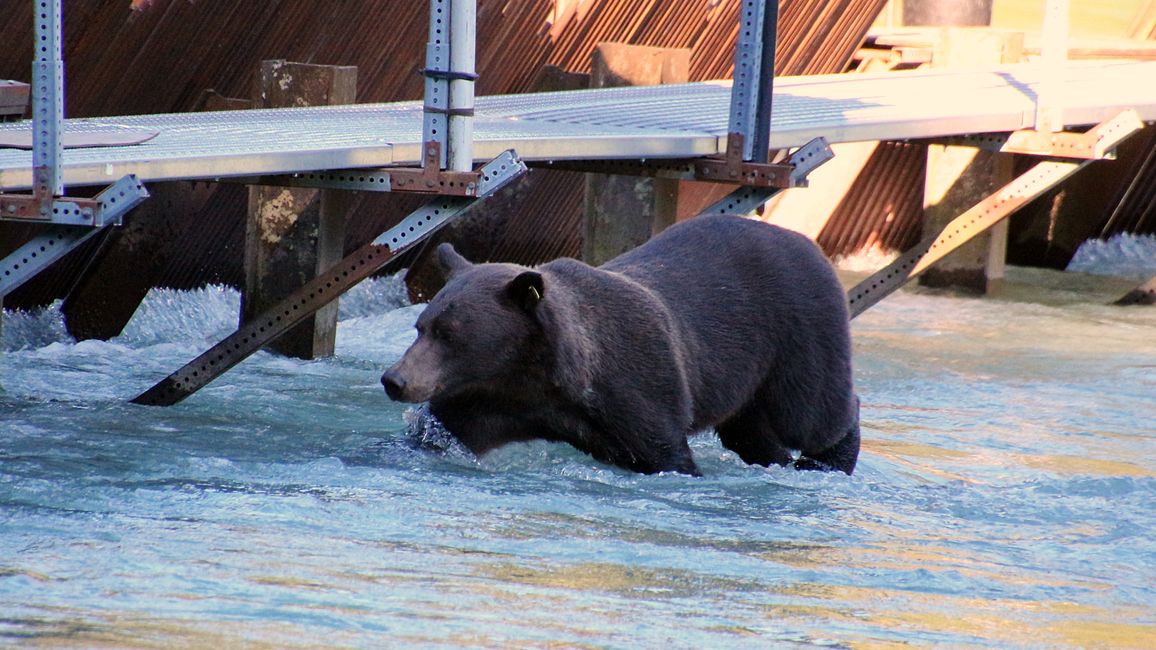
[
  {"x": 294, "y": 234},
  {"x": 624, "y": 211}
]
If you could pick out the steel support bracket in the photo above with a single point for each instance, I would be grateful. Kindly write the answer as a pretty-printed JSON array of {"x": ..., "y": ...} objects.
[
  {"x": 791, "y": 173},
  {"x": 326, "y": 287},
  {"x": 428, "y": 179},
  {"x": 432, "y": 179},
  {"x": 983, "y": 215},
  {"x": 107, "y": 208},
  {"x": 742, "y": 201},
  {"x": 37, "y": 254},
  {"x": 1097, "y": 143}
]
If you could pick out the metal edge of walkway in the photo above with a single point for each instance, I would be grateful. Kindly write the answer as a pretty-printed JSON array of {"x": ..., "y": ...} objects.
[{"x": 677, "y": 121}]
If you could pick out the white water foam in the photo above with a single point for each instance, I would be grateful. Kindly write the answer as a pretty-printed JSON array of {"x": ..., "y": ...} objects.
[{"x": 1128, "y": 256}]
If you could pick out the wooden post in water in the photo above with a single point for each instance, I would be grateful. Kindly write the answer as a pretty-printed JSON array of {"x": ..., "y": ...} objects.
[
  {"x": 959, "y": 177},
  {"x": 294, "y": 234},
  {"x": 624, "y": 211}
]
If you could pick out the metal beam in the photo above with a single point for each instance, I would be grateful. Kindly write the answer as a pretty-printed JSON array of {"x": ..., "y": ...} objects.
[
  {"x": 323, "y": 289},
  {"x": 47, "y": 104},
  {"x": 448, "y": 111},
  {"x": 22, "y": 264},
  {"x": 985, "y": 214},
  {"x": 748, "y": 198},
  {"x": 1095, "y": 144},
  {"x": 1145, "y": 294}
]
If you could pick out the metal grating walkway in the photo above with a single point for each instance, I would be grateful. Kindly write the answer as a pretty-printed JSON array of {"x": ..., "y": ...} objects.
[{"x": 675, "y": 121}]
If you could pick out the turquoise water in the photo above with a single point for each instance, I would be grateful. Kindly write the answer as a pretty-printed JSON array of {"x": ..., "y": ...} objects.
[{"x": 1005, "y": 496}]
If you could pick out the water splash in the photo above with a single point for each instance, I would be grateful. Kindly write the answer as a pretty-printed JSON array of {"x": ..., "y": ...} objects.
[{"x": 1123, "y": 255}]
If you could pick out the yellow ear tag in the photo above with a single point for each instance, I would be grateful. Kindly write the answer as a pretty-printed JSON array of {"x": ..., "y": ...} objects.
[{"x": 534, "y": 290}]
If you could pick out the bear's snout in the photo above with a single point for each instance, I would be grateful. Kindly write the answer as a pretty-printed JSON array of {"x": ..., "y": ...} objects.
[{"x": 394, "y": 384}]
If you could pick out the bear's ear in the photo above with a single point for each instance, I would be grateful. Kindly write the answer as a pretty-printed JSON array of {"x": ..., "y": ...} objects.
[
  {"x": 526, "y": 290},
  {"x": 449, "y": 259}
]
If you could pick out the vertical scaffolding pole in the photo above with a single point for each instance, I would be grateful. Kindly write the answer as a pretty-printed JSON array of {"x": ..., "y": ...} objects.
[
  {"x": 47, "y": 105},
  {"x": 761, "y": 136},
  {"x": 436, "y": 105},
  {"x": 1053, "y": 57},
  {"x": 463, "y": 24},
  {"x": 754, "y": 79},
  {"x": 448, "y": 123}
]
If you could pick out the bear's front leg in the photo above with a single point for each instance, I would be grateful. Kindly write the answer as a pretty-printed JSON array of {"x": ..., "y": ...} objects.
[{"x": 642, "y": 437}]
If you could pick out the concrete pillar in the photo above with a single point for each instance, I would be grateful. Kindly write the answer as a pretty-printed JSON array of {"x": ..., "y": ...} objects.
[
  {"x": 622, "y": 212},
  {"x": 293, "y": 234}
]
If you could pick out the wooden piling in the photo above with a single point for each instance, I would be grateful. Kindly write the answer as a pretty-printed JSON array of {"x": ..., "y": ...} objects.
[
  {"x": 622, "y": 212},
  {"x": 294, "y": 234},
  {"x": 959, "y": 177}
]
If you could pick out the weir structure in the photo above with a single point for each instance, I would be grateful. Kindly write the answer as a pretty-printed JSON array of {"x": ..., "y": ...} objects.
[{"x": 711, "y": 131}]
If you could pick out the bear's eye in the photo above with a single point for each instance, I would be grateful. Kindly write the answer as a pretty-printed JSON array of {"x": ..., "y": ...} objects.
[{"x": 442, "y": 330}]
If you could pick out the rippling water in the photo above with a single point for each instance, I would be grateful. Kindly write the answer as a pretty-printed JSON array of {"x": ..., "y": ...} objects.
[{"x": 1004, "y": 497}]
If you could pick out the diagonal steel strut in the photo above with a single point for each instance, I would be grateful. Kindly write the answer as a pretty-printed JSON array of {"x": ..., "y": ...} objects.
[
  {"x": 326, "y": 287},
  {"x": 985, "y": 214}
]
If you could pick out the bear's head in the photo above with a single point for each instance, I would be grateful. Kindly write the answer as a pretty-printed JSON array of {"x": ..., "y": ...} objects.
[{"x": 479, "y": 332}]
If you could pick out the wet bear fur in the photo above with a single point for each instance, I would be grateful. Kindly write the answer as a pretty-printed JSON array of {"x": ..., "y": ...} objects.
[{"x": 719, "y": 321}]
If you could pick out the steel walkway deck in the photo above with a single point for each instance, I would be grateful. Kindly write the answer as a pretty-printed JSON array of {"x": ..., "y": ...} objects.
[{"x": 624, "y": 123}]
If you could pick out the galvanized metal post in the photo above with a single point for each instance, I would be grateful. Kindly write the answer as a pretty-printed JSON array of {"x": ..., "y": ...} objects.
[
  {"x": 449, "y": 87},
  {"x": 463, "y": 39},
  {"x": 47, "y": 105},
  {"x": 435, "y": 113},
  {"x": 761, "y": 136},
  {"x": 1053, "y": 57},
  {"x": 754, "y": 78}
]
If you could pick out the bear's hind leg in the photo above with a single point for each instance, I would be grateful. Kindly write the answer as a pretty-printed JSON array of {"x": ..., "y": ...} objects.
[
  {"x": 841, "y": 456},
  {"x": 750, "y": 435}
]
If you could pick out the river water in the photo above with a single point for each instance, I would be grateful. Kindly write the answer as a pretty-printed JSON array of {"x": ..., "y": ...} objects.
[{"x": 1005, "y": 496}]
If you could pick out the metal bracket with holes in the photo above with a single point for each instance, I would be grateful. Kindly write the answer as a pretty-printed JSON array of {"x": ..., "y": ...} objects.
[
  {"x": 109, "y": 207},
  {"x": 732, "y": 169},
  {"x": 428, "y": 179},
  {"x": 1095, "y": 144}
]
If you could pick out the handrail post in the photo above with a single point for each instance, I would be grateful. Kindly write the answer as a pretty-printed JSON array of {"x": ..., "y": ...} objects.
[
  {"x": 448, "y": 124},
  {"x": 754, "y": 80},
  {"x": 47, "y": 104}
]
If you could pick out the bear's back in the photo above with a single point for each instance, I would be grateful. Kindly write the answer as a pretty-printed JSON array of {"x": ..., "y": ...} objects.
[{"x": 749, "y": 300}]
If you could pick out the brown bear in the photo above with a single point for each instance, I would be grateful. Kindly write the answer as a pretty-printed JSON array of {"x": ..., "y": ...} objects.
[{"x": 719, "y": 321}]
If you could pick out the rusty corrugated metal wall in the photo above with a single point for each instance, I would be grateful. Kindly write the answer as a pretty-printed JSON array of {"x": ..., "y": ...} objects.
[
  {"x": 161, "y": 57},
  {"x": 883, "y": 209}
]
